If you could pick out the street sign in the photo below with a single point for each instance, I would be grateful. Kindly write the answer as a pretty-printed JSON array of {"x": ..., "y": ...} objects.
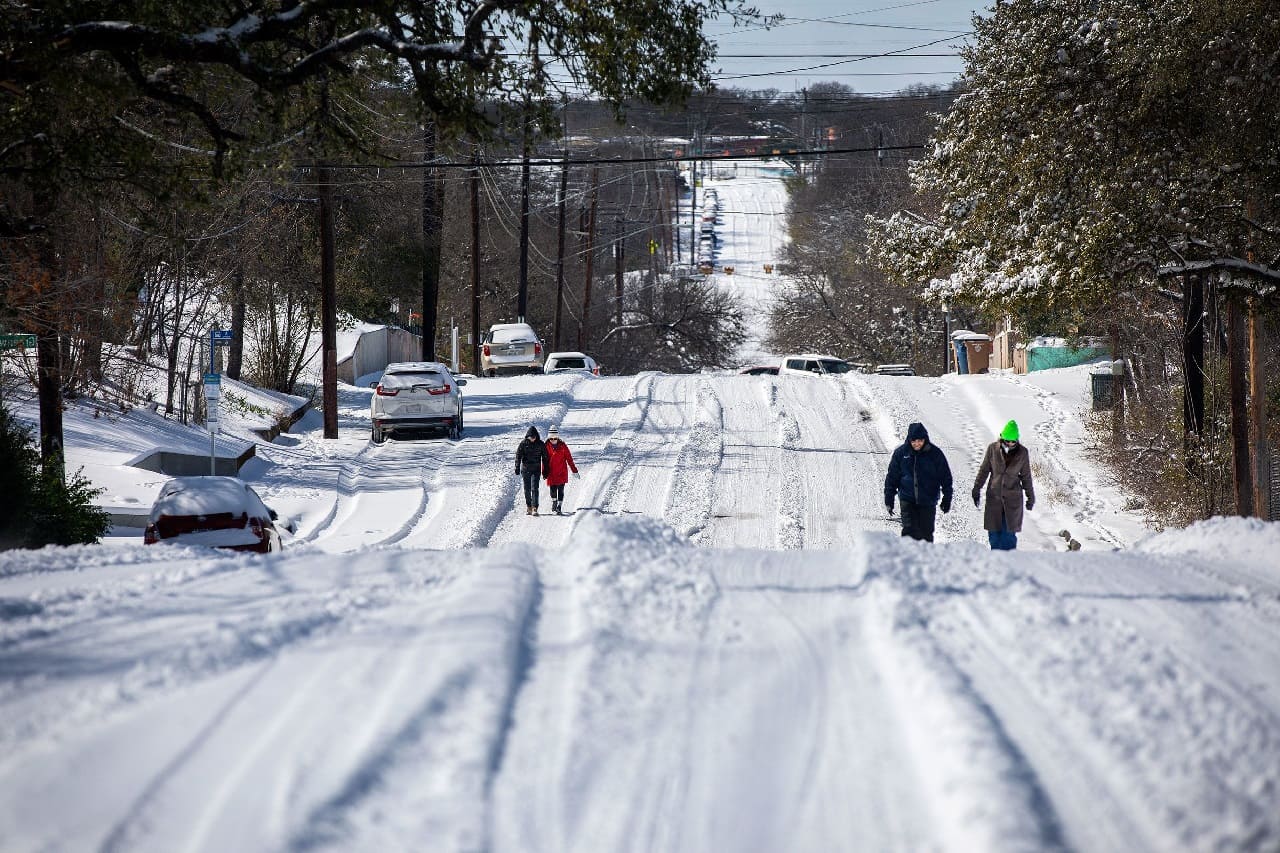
[
  {"x": 12, "y": 341},
  {"x": 220, "y": 336},
  {"x": 213, "y": 379}
]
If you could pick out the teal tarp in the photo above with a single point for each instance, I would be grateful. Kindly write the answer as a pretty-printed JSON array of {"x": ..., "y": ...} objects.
[{"x": 1045, "y": 358}]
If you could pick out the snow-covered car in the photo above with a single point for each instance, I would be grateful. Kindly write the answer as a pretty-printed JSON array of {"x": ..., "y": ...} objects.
[
  {"x": 219, "y": 512},
  {"x": 895, "y": 370},
  {"x": 413, "y": 396},
  {"x": 560, "y": 362},
  {"x": 813, "y": 364},
  {"x": 511, "y": 348},
  {"x": 760, "y": 370}
]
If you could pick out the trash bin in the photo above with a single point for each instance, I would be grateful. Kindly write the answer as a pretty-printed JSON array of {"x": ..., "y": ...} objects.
[
  {"x": 978, "y": 355},
  {"x": 1104, "y": 393}
]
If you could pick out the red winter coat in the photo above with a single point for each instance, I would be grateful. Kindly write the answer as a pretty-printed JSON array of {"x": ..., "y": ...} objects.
[{"x": 559, "y": 463}]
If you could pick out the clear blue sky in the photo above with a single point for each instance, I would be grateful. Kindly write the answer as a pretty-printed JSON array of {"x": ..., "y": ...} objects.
[{"x": 828, "y": 33}]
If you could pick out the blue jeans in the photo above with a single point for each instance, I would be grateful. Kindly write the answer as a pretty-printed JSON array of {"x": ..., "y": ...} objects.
[
  {"x": 1003, "y": 539},
  {"x": 531, "y": 486}
]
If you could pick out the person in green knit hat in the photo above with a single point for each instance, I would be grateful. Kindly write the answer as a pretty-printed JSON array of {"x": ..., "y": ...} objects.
[{"x": 1006, "y": 473}]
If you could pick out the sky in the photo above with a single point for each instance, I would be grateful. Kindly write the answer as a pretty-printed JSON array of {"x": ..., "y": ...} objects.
[{"x": 823, "y": 32}]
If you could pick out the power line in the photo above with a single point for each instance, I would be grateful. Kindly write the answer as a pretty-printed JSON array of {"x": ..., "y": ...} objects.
[{"x": 773, "y": 153}]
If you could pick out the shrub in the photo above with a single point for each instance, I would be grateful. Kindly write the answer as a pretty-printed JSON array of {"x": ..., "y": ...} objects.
[{"x": 37, "y": 506}]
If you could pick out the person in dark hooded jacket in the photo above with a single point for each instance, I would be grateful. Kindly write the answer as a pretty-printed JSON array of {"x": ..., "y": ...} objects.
[
  {"x": 531, "y": 462},
  {"x": 918, "y": 475}
]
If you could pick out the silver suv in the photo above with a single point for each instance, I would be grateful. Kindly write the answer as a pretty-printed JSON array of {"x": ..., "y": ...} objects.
[
  {"x": 511, "y": 348},
  {"x": 414, "y": 396}
]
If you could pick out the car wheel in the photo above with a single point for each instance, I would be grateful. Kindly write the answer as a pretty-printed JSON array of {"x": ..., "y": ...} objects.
[
  {"x": 492, "y": 372},
  {"x": 456, "y": 434},
  {"x": 378, "y": 436}
]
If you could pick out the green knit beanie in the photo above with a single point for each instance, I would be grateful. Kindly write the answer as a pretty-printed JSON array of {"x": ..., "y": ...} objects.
[{"x": 1010, "y": 431}]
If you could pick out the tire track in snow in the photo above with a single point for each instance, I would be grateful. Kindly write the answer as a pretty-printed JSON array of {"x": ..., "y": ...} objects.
[
  {"x": 609, "y": 490},
  {"x": 692, "y": 486},
  {"x": 789, "y": 518}
]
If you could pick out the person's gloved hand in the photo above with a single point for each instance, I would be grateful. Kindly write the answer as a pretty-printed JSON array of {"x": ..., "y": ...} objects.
[
  {"x": 946, "y": 505},
  {"x": 977, "y": 496},
  {"x": 517, "y": 469},
  {"x": 577, "y": 476},
  {"x": 888, "y": 505},
  {"x": 1031, "y": 502}
]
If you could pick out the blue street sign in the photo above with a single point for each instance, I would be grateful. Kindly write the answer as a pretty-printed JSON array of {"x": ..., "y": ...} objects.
[
  {"x": 219, "y": 335},
  {"x": 213, "y": 379}
]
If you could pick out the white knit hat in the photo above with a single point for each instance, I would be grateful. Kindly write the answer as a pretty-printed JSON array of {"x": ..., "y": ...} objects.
[{"x": 554, "y": 431}]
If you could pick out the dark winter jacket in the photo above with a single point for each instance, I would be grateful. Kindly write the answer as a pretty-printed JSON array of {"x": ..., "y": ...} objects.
[
  {"x": 1010, "y": 475},
  {"x": 559, "y": 463},
  {"x": 531, "y": 456},
  {"x": 919, "y": 476}
]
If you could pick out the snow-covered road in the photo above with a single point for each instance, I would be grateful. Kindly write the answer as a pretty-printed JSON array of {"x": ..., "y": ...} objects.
[{"x": 723, "y": 646}]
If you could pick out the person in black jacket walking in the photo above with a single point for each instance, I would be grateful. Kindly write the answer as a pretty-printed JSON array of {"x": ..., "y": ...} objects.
[
  {"x": 531, "y": 463},
  {"x": 918, "y": 474}
]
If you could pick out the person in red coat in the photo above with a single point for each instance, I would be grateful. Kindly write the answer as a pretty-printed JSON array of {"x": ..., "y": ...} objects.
[{"x": 559, "y": 464}]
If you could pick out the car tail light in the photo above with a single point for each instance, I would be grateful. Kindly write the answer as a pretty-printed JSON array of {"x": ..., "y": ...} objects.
[
  {"x": 150, "y": 537},
  {"x": 387, "y": 392},
  {"x": 537, "y": 349},
  {"x": 443, "y": 389},
  {"x": 485, "y": 349}
]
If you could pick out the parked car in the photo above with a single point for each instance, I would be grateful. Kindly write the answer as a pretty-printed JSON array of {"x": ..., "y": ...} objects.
[
  {"x": 561, "y": 362},
  {"x": 760, "y": 370},
  {"x": 511, "y": 348},
  {"x": 413, "y": 396},
  {"x": 219, "y": 512},
  {"x": 895, "y": 370},
  {"x": 809, "y": 363}
]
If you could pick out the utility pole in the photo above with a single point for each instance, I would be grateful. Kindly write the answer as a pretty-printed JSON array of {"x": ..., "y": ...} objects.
[
  {"x": 475, "y": 263},
  {"x": 693, "y": 205},
  {"x": 560, "y": 215},
  {"x": 522, "y": 301},
  {"x": 328, "y": 304},
  {"x": 1258, "y": 414},
  {"x": 591, "y": 235},
  {"x": 432, "y": 227},
  {"x": 619, "y": 247},
  {"x": 1237, "y": 365}
]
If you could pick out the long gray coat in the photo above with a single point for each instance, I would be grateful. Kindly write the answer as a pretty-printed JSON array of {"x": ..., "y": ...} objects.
[{"x": 1010, "y": 477}]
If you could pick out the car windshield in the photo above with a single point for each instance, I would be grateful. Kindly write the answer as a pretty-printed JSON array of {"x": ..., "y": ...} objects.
[
  {"x": 831, "y": 365},
  {"x": 570, "y": 362},
  {"x": 511, "y": 336},
  {"x": 409, "y": 378}
]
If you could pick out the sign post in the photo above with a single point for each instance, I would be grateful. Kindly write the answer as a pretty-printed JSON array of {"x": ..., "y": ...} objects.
[{"x": 212, "y": 394}]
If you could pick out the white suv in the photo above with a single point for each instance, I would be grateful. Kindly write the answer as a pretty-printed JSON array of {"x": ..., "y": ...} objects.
[
  {"x": 416, "y": 395},
  {"x": 511, "y": 348},
  {"x": 816, "y": 365}
]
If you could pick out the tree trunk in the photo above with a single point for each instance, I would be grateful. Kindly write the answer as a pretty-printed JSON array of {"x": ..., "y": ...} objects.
[
  {"x": 1237, "y": 368},
  {"x": 235, "y": 352},
  {"x": 432, "y": 227},
  {"x": 328, "y": 304}
]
